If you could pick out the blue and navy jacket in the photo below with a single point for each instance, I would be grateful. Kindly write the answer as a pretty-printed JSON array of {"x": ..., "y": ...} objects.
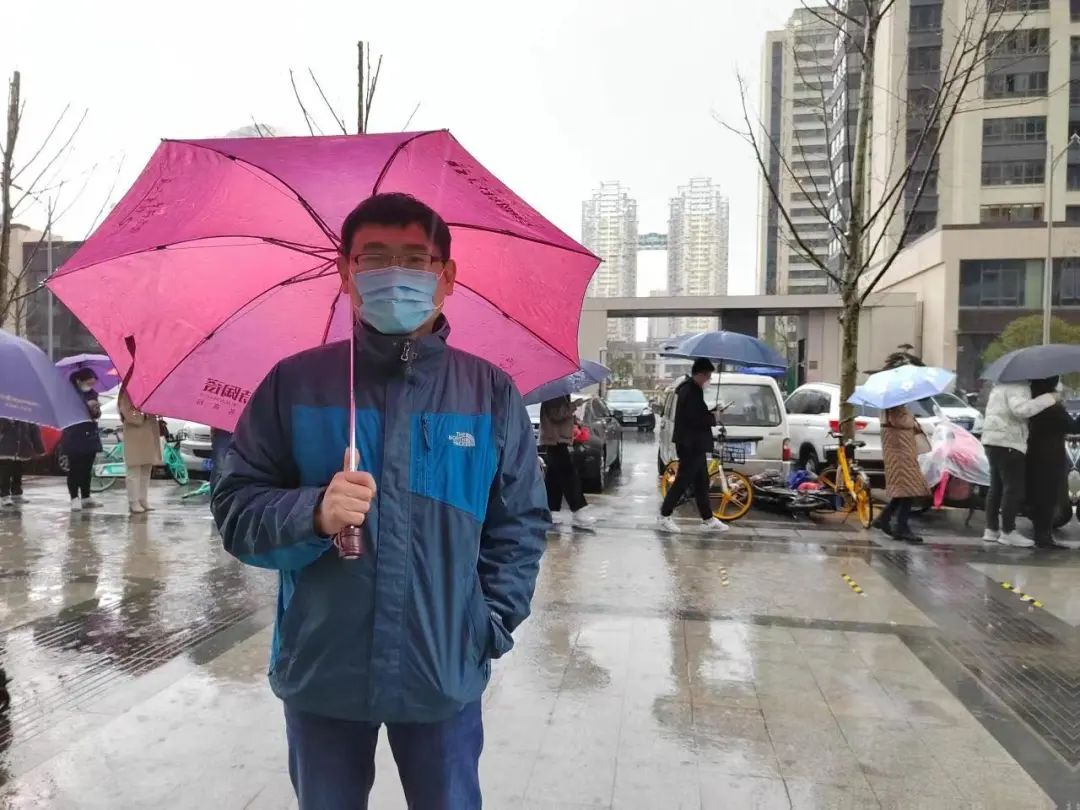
[{"x": 453, "y": 541}]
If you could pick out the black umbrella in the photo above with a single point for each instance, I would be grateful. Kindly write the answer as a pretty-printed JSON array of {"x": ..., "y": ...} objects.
[{"x": 1035, "y": 363}]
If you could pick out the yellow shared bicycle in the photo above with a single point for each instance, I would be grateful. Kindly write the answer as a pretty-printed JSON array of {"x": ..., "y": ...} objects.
[
  {"x": 730, "y": 493},
  {"x": 849, "y": 482}
]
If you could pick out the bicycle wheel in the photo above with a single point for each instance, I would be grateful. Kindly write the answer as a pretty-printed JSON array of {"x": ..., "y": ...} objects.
[
  {"x": 864, "y": 501},
  {"x": 734, "y": 503},
  {"x": 667, "y": 477},
  {"x": 828, "y": 478},
  {"x": 175, "y": 465}
]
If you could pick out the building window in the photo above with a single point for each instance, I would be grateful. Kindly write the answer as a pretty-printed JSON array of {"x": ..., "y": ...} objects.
[
  {"x": 1018, "y": 5},
  {"x": 925, "y": 18},
  {"x": 1072, "y": 178},
  {"x": 1023, "y": 42},
  {"x": 993, "y": 282},
  {"x": 1014, "y": 130},
  {"x": 1013, "y": 173},
  {"x": 1007, "y": 214},
  {"x": 927, "y": 57},
  {"x": 1066, "y": 289},
  {"x": 1008, "y": 85},
  {"x": 1072, "y": 213}
]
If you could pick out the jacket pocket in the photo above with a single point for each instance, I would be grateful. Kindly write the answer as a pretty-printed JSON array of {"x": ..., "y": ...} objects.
[
  {"x": 453, "y": 460},
  {"x": 478, "y": 622}
]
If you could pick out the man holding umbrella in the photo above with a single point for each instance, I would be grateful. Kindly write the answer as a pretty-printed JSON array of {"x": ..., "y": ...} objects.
[{"x": 452, "y": 510}]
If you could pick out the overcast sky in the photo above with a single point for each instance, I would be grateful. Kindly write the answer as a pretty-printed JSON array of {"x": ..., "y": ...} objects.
[{"x": 554, "y": 97}]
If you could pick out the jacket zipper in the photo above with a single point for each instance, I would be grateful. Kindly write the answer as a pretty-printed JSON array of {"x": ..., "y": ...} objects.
[
  {"x": 425, "y": 424},
  {"x": 406, "y": 351}
]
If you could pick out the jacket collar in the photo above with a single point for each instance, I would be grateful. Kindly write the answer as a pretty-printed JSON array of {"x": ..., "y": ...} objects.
[{"x": 391, "y": 351}]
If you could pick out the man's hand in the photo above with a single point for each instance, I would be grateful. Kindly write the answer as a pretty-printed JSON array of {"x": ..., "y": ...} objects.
[{"x": 346, "y": 502}]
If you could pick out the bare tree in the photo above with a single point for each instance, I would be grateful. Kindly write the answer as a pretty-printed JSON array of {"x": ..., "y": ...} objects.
[
  {"x": 871, "y": 217},
  {"x": 31, "y": 182},
  {"x": 366, "y": 82}
]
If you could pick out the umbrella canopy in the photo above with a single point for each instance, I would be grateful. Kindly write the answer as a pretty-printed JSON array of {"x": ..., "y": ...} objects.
[
  {"x": 764, "y": 371},
  {"x": 219, "y": 262},
  {"x": 590, "y": 373},
  {"x": 1035, "y": 363},
  {"x": 728, "y": 347},
  {"x": 901, "y": 385},
  {"x": 33, "y": 390},
  {"x": 101, "y": 365}
]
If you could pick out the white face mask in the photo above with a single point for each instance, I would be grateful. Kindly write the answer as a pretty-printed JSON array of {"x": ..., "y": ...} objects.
[{"x": 86, "y": 387}]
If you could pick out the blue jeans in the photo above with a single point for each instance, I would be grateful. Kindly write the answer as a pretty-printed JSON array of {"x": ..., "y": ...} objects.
[{"x": 332, "y": 762}]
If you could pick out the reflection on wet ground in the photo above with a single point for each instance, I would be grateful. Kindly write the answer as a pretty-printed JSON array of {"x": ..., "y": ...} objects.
[{"x": 656, "y": 672}]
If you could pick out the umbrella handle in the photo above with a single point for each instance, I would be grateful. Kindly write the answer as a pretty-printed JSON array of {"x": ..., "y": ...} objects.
[{"x": 350, "y": 540}]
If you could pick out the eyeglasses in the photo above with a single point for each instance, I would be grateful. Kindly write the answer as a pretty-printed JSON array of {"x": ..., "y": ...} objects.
[{"x": 412, "y": 261}]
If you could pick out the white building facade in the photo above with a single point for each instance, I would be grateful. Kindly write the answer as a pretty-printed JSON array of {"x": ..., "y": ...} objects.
[
  {"x": 697, "y": 247},
  {"x": 609, "y": 229}
]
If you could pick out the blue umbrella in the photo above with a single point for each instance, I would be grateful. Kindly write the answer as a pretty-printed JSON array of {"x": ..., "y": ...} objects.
[
  {"x": 764, "y": 371},
  {"x": 590, "y": 373},
  {"x": 728, "y": 347},
  {"x": 32, "y": 389},
  {"x": 1035, "y": 363},
  {"x": 901, "y": 385}
]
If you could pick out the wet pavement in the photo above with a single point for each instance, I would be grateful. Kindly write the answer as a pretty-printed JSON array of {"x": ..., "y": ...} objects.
[{"x": 656, "y": 672}]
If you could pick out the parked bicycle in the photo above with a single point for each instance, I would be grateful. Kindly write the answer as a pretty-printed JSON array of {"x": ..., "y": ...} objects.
[
  {"x": 730, "y": 493},
  {"x": 848, "y": 482},
  {"x": 112, "y": 468}
]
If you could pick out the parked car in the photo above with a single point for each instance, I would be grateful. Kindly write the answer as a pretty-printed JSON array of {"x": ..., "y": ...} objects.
[
  {"x": 631, "y": 407},
  {"x": 959, "y": 412},
  {"x": 752, "y": 413},
  {"x": 602, "y": 454},
  {"x": 195, "y": 447},
  {"x": 813, "y": 415}
]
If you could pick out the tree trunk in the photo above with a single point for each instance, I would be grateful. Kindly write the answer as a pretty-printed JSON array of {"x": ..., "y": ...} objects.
[
  {"x": 6, "y": 214},
  {"x": 849, "y": 361}
]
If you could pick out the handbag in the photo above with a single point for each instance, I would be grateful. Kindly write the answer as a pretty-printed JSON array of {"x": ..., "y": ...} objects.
[{"x": 581, "y": 434}]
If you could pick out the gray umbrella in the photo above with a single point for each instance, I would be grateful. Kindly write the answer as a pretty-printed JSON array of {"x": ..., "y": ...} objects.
[{"x": 1035, "y": 363}]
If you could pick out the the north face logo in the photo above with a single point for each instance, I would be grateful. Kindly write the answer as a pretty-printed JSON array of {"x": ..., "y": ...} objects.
[{"x": 462, "y": 440}]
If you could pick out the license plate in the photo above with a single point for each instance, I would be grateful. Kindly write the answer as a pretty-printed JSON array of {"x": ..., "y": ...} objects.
[{"x": 748, "y": 448}]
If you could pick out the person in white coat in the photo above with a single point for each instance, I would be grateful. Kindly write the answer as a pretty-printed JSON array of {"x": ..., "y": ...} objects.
[
  {"x": 142, "y": 451},
  {"x": 1005, "y": 437}
]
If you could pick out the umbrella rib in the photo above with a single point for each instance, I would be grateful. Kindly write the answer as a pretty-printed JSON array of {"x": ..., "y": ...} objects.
[
  {"x": 504, "y": 232},
  {"x": 248, "y": 165},
  {"x": 398, "y": 150},
  {"x": 202, "y": 341}
]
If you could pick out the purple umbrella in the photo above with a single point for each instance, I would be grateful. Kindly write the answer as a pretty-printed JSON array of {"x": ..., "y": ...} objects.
[
  {"x": 107, "y": 375},
  {"x": 33, "y": 390}
]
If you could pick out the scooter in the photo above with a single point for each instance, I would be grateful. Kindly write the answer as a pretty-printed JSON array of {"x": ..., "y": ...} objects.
[{"x": 772, "y": 492}]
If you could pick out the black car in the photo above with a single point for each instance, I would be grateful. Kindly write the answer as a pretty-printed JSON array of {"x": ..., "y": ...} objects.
[
  {"x": 602, "y": 454},
  {"x": 631, "y": 407}
]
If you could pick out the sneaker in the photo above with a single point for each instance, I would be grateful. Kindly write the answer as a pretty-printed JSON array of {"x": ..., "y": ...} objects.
[
  {"x": 76, "y": 505},
  {"x": 908, "y": 537},
  {"x": 146, "y": 507},
  {"x": 582, "y": 518},
  {"x": 90, "y": 503},
  {"x": 667, "y": 524},
  {"x": 7, "y": 502},
  {"x": 714, "y": 525},
  {"x": 136, "y": 509},
  {"x": 991, "y": 536},
  {"x": 1014, "y": 538},
  {"x": 19, "y": 498}
]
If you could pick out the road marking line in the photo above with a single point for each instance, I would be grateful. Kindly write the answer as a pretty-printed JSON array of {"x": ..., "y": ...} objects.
[
  {"x": 724, "y": 581},
  {"x": 852, "y": 584},
  {"x": 1031, "y": 600}
]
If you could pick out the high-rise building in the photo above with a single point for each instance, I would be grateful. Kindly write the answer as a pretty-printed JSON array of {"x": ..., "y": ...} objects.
[
  {"x": 697, "y": 247},
  {"x": 797, "y": 97},
  {"x": 609, "y": 229},
  {"x": 659, "y": 328},
  {"x": 972, "y": 248}
]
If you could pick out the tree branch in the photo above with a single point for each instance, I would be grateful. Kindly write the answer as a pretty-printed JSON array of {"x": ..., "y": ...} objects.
[
  {"x": 300, "y": 101},
  {"x": 337, "y": 118}
]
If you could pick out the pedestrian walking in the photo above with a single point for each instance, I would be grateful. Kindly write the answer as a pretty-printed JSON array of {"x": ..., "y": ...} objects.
[
  {"x": 557, "y": 424},
  {"x": 81, "y": 442},
  {"x": 452, "y": 510},
  {"x": 693, "y": 438},
  {"x": 142, "y": 451},
  {"x": 1005, "y": 437},
  {"x": 904, "y": 481},
  {"x": 19, "y": 442},
  {"x": 1047, "y": 472}
]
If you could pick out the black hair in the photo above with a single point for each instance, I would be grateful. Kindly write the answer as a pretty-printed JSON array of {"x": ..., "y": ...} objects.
[
  {"x": 81, "y": 374},
  {"x": 1045, "y": 386},
  {"x": 399, "y": 210},
  {"x": 702, "y": 365}
]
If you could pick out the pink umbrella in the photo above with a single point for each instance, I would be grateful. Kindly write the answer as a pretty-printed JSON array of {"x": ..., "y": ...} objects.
[{"x": 218, "y": 263}]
